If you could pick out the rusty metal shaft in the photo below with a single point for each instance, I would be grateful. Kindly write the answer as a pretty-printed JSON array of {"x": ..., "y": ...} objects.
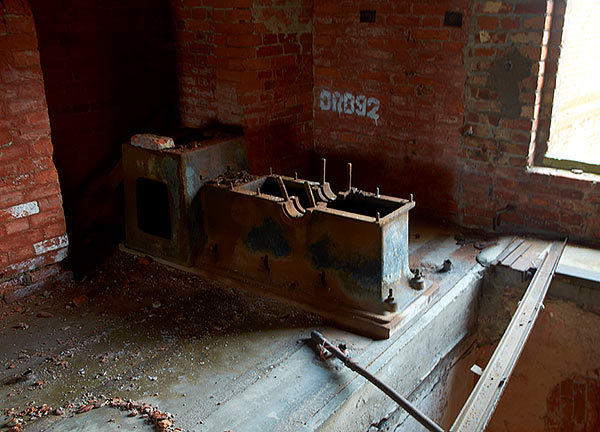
[
  {"x": 399, "y": 399},
  {"x": 349, "y": 176},
  {"x": 309, "y": 193},
  {"x": 283, "y": 189}
]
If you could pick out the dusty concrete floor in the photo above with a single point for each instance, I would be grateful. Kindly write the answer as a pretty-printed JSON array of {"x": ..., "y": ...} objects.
[
  {"x": 131, "y": 337},
  {"x": 208, "y": 355}
]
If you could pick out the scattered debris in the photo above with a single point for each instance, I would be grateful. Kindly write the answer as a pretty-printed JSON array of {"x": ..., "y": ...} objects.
[
  {"x": 80, "y": 300},
  {"x": 235, "y": 177},
  {"x": 477, "y": 244},
  {"x": 21, "y": 326},
  {"x": 446, "y": 266},
  {"x": 484, "y": 244},
  {"x": 85, "y": 408},
  {"x": 145, "y": 260},
  {"x": 27, "y": 377},
  {"x": 44, "y": 314}
]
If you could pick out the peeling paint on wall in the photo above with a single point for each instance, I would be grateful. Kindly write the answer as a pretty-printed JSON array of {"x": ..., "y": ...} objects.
[
  {"x": 505, "y": 74},
  {"x": 51, "y": 244},
  {"x": 287, "y": 16}
]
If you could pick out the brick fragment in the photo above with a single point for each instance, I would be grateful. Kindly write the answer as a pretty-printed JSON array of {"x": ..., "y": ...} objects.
[{"x": 152, "y": 142}]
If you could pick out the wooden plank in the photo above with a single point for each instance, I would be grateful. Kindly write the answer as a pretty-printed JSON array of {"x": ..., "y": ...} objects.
[
  {"x": 507, "y": 251},
  {"x": 482, "y": 402},
  {"x": 516, "y": 254},
  {"x": 532, "y": 258}
]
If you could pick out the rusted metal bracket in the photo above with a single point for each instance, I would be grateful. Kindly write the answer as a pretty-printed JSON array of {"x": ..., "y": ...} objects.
[{"x": 484, "y": 398}]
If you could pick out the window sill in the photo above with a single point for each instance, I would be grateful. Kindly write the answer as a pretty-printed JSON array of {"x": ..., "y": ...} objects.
[
  {"x": 568, "y": 165},
  {"x": 556, "y": 172}
]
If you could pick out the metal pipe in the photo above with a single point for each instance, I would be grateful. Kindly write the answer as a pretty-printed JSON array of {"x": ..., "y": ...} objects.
[
  {"x": 404, "y": 403},
  {"x": 349, "y": 176}
]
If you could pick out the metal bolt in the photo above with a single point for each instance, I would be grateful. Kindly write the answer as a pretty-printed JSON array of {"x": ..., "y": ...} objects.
[
  {"x": 323, "y": 166},
  {"x": 377, "y": 217},
  {"x": 447, "y": 266},
  {"x": 377, "y": 191},
  {"x": 270, "y": 170},
  {"x": 349, "y": 176},
  {"x": 417, "y": 282},
  {"x": 390, "y": 302},
  {"x": 295, "y": 176}
]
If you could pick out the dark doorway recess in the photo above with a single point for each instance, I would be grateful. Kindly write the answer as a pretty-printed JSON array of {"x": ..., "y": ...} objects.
[{"x": 109, "y": 72}]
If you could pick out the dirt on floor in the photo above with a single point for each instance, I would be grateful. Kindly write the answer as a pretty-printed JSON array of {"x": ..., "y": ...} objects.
[{"x": 109, "y": 340}]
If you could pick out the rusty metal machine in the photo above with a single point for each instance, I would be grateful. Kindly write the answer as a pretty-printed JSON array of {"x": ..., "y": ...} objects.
[{"x": 191, "y": 204}]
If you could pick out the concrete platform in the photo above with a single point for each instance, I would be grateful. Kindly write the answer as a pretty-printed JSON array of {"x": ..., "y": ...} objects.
[{"x": 220, "y": 359}]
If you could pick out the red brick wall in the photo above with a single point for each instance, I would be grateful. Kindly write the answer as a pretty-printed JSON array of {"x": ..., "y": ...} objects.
[
  {"x": 508, "y": 107},
  {"x": 573, "y": 404},
  {"x": 249, "y": 63},
  {"x": 32, "y": 226},
  {"x": 459, "y": 110},
  {"x": 411, "y": 65}
]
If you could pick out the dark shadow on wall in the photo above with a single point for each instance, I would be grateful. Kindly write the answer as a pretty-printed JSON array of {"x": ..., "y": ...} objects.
[
  {"x": 433, "y": 186},
  {"x": 109, "y": 72}
]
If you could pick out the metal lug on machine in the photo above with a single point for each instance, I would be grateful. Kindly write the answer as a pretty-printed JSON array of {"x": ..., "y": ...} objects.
[
  {"x": 417, "y": 282},
  {"x": 390, "y": 302},
  {"x": 323, "y": 166},
  {"x": 377, "y": 192},
  {"x": 446, "y": 266},
  {"x": 349, "y": 176},
  {"x": 284, "y": 192},
  {"x": 309, "y": 193}
]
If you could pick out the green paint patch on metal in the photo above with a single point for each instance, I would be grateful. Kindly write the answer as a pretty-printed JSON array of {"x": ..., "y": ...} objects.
[
  {"x": 324, "y": 256},
  {"x": 269, "y": 237}
]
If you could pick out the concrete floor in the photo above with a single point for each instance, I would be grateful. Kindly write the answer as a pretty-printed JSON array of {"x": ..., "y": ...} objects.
[
  {"x": 220, "y": 359},
  {"x": 213, "y": 357}
]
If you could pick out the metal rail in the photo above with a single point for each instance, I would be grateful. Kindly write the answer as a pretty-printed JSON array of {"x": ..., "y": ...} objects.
[
  {"x": 482, "y": 402},
  {"x": 404, "y": 403}
]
